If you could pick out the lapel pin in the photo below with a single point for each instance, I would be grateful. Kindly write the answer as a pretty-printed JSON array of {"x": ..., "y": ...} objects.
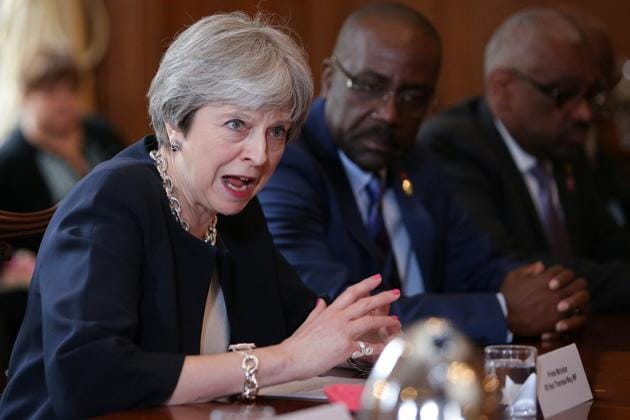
[{"x": 406, "y": 184}]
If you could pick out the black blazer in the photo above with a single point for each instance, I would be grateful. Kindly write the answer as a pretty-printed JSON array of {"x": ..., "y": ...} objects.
[
  {"x": 22, "y": 183},
  {"x": 118, "y": 295},
  {"x": 488, "y": 183}
]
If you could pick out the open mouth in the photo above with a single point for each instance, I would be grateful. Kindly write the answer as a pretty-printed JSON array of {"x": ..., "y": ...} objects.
[{"x": 238, "y": 183}]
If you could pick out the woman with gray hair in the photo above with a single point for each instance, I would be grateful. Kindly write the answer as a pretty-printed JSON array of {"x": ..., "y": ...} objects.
[{"x": 160, "y": 259}]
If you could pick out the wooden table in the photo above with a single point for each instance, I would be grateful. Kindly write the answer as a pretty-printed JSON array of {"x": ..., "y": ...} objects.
[
  {"x": 202, "y": 411},
  {"x": 604, "y": 347},
  {"x": 605, "y": 350}
]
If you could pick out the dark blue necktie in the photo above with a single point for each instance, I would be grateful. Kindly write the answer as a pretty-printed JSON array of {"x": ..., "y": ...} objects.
[
  {"x": 375, "y": 225},
  {"x": 554, "y": 227}
]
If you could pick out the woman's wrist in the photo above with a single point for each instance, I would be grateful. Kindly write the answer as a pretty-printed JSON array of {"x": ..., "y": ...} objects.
[
  {"x": 250, "y": 365},
  {"x": 276, "y": 365}
]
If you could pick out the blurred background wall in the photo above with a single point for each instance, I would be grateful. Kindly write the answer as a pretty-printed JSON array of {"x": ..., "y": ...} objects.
[
  {"x": 140, "y": 30},
  {"x": 29, "y": 26}
]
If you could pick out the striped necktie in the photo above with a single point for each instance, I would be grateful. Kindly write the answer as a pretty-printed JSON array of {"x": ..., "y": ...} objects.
[{"x": 375, "y": 225}]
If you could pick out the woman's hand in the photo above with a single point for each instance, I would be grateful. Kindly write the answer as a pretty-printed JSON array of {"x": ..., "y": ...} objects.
[
  {"x": 330, "y": 335},
  {"x": 17, "y": 272},
  {"x": 382, "y": 335}
]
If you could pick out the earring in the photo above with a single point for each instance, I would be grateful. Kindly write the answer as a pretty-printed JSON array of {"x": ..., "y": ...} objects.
[{"x": 176, "y": 147}]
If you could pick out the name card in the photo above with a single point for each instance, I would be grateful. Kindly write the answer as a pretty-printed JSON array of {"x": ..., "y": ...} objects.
[{"x": 562, "y": 382}]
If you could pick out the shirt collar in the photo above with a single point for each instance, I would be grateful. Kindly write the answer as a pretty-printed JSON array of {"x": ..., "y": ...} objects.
[
  {"x": 357, "y": 177},
  {"x": 524, "y": 161}
]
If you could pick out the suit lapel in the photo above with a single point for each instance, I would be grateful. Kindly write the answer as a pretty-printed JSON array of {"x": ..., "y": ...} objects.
[
  {"x": 193, "y": 282},
  {"x": 250, "y": 288},
  {"x": 419, "y": 224},
  {"x": 322, "y": 145},
  {"x": 348, "y": 205}
]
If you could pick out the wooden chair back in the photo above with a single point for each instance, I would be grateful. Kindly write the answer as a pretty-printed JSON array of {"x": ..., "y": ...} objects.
[{"x": 14, "y": 225}]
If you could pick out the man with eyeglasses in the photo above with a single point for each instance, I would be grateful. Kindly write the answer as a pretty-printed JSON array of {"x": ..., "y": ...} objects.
[
  {"x": 353, "y": 196},
  {"x": 515, "y": 157}
]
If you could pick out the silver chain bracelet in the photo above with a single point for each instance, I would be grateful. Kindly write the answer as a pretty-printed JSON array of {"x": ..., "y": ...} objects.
[
  {"x": 363, "y": 368},
  {"x": 250, "y": 367}
]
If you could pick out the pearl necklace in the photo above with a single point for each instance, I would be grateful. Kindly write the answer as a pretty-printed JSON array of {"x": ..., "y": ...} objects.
[{"x": 211, "y": 231}]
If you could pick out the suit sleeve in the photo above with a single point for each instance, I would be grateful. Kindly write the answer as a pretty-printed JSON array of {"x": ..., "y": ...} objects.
[
  {"x": 478, "y": 315},
  {"x": 297, "y": 213},
  {"x": 608, "y": 246},
  {"x": 89, "y": 272},
  {"x": 474, "y": 265},
  {"x": 607, "y": 241},
  {"x": 471, "y": 183}
]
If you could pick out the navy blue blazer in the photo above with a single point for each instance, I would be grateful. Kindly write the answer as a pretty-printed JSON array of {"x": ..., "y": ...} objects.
[
  {"x": 315, "y": 222},
  {"x": 487, "y": 182},
  {"x": 118, "y": 295}
]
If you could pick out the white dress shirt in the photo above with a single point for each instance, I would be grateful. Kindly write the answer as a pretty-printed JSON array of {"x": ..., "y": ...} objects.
[{"x": 525, "y": 163}]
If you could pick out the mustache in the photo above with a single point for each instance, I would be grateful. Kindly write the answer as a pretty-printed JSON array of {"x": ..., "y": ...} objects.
[{"x": 382, "y": 131}]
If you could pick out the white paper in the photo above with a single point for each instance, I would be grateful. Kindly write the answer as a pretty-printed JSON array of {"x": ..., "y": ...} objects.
[
  {"x": 520, "y": 396},
  {"x": 579, "y": 412},
  {"x": 309, "y": 389},
  {"x": 328, "y": 412},
  {"x": 562, "y": 382}
]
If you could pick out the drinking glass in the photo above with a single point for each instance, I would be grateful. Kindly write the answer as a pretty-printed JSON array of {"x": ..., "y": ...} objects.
[{"x": 511, "y": 371}]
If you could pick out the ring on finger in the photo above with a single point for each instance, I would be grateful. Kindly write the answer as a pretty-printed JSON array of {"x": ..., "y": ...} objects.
[
  {"x": 359, "y": 353},
  {"x": 369, "y": 350},
  {"x": 364, "y": 350}
]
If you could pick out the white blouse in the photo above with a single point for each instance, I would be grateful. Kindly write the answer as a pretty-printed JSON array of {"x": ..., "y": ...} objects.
[{"x": 215, "y": 331}]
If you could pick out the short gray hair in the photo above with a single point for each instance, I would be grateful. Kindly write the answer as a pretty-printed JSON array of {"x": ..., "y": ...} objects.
[
  {"x": 230, "y": 59},
  {"x": 511, "y": 44}
]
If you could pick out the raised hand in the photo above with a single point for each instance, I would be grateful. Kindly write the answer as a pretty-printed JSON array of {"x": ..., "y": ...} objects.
[
  {"x": 331, "y": 334},
  {"x": 17, "y": 272}
]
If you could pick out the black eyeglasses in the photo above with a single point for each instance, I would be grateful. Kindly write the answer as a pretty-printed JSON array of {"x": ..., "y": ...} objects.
[
  {"x": 597, "y": 98},
  {"x": 410, "y": 102}
]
